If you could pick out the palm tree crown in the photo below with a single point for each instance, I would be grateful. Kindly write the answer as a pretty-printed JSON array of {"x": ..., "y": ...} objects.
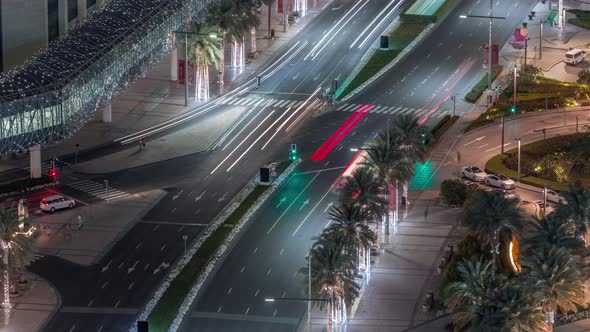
[
  {"x": 365, "y": 189},
  {"x": 348, "y": 228}
]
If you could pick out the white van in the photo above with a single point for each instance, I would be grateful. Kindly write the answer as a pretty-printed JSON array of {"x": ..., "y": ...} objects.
[
  {"x": 574, "y": 56},
  {"x": 56, "y": 202}
]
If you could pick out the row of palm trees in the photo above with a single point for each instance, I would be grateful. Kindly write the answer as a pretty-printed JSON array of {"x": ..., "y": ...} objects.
[
  {"x": 342, "y": 250},
  {"x": 553, "y": 257},
  {"x": 232, "y": 19}
]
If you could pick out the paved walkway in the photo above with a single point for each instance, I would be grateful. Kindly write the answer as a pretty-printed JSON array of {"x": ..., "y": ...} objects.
[
  {"x": 555, "y": 44},
  {"x": 154, "y": 98}
]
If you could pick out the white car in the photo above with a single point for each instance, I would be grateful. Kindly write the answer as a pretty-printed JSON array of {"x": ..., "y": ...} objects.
[
  {"x": 500, "y": 181},
  {"x": 474, "y": 173},
  {"x": 555, "y": 197},
  {"x": 56, "y": 202}
]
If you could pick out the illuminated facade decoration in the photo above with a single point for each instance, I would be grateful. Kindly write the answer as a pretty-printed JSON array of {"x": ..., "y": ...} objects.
[{"x": 53, "y": 95}]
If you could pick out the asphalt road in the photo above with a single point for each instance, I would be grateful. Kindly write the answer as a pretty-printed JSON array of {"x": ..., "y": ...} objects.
[{"x": 107, "y": 297}]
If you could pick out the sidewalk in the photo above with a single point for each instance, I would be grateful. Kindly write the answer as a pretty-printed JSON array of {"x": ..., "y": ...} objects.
[
  {"x": 154, "y": 99},
  {"x": 555, "y": 44},
  {"x": 34, "y": 307}
]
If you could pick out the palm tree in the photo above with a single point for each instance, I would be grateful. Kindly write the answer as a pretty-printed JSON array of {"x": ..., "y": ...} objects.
[
  {"x": 391, "y": 164},
  {"x": 251, "y": 8},
  {"x": 332, "y": 276},
  {"x": 222, "y": 14},
  {"x": 466, "y": 296},
  {"x": 365, "y": 189},
  {"x": 204, "y": 52},
  {"x": 487, "y": 214},
  {"x": 517, "y": 308},
  {"x": 349, "y": 230},
  {"x": 554, "y": 273},
  {"x": 16, "y": 252},
  {"x": 577, "y": 209},
  {"x": 554, "y": 231},
  {"x": 407, "y": 133}
]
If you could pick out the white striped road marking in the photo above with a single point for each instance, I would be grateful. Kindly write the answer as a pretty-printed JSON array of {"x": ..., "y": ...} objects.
[
  {"x": 396, "y": 110},
  {"x": 404, "y": 110},
  {"x": 233, "y": 101},
  {"x": 341, "y": 108},
  {"x": 243, "y": 102},
  {"x": 378, "y": 109},
  {"x": 298, "y": 104},
  {"x": 259, "y": 102},
  {"x": 292, "y": 103},
  {"x": 350, "y": 108},
  {"x": 250, "y": 102},
  {"x": 272, "y": 102}
]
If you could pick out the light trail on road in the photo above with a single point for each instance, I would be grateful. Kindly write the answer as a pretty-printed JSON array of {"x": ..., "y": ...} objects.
[{"x": 373, "y": 22}]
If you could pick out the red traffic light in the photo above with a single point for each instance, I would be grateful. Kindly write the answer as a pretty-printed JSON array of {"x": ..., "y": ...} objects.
[{"x": 53, "y": 173}]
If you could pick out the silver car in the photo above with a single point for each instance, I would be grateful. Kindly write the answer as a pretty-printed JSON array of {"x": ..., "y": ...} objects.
[
  {"x": 56, "y": 202},
  {"x": 500, "y": 181},
  {"x": 474, "y": 173}
]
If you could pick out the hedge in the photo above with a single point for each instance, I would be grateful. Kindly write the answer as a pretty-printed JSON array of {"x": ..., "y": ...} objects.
[{"x": 482, "y": 85}]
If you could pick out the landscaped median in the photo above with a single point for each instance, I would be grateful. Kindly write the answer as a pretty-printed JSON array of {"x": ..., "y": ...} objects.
[
  {"x": 482, "y": 85},
  {"x": 555, "y": 162},
  {"x": 412, "y": 26},
  {"x": 173, "y": 299}
]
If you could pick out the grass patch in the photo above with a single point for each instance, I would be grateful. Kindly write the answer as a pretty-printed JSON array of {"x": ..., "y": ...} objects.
[
  {"x": 166, "y": 309},
  {"x": 532, "y": 96},
  {"x": 582, "y": 18},
  {"x": 379, "y": 60},
  {"x": 482, "y": 85}
]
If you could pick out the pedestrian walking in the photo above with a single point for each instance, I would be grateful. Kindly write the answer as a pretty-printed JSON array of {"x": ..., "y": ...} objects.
[{"x": 426, "y": 213}]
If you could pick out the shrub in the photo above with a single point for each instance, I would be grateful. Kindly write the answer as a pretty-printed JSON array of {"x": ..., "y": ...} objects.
[
  {"x": 453, "y": 192},
  {"x": 584, "y": 77},
  {"x": 529, "y": 72}
]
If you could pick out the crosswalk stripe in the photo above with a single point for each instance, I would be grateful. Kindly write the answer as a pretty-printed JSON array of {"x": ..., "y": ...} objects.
[
  {"x": 250, "y": 102},
  {"x": 396, "y": 110},
  {"x": 378, "y": 109},
  {"x": 271, "y": 103},
  {"x": 292, "y": 103},
  {"x": 283, "y": 103},
  {"x": 86, "y": 186},
  {"x": 234, "y": 101},
  {"x": 350, "y": 108},
  {"x": 404, "y": 110},
  {"x": 298, "y": 104},
  {"x": 341, "y": 108},
  {"x": 260, "y": 102},
  {"x": 244, "y": 101},
  {"x": 113, "y": 195}
]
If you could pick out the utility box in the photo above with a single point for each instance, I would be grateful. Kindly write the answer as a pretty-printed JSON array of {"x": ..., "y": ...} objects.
[
  {"x": 265, "y": 175},
  {"x": 384, "y": 42}
]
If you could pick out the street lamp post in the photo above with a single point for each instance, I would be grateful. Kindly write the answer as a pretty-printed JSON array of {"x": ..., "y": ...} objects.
[
  {"x": 541, "y": 38},
  {"x": 186, "y": 33},
  {"x": 454, "y": 104},
  {"x": 518, "y": 174},
  {"x": 502, "y": 145},
  {"x": 544, "y": 200},
  {"x": 491, "y": 18}
]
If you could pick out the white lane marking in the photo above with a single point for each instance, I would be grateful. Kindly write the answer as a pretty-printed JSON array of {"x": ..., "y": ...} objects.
[
  {"x": 391, "y": 11},
  {"x": 229, "y": 291},
  {"x": 497, "y": 147},
  {"x": 242, "y": 270},
  {"x": 483, "y": 146},
  {"x": 257, "y": 291}
]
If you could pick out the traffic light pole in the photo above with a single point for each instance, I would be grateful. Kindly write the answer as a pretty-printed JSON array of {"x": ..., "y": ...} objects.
[{"x": 502, "y": 145}]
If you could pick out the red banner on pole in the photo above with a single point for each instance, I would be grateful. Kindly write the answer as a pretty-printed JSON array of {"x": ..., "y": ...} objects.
[
  {"x": 280, "y": 5},
  {"x": 392, "y": 206},
  {"x": 485, "y": 50},
  {"x": 191, "y": 72}
]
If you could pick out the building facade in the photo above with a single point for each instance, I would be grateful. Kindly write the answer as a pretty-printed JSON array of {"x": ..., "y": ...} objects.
[{"x": 27, "y": 26}]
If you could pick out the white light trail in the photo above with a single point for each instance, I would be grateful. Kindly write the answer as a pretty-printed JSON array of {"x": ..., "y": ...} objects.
[
  {"x": 378, "y": 24},
  {"x": 330, "y": 31},
  {"x": 337, "y": 31},
  {"x": 256, "y": 141},
  {"x": 242, "y": 142}
]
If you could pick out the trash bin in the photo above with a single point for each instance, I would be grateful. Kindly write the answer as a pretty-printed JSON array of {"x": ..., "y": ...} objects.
[{"x": 272, "y": 33}]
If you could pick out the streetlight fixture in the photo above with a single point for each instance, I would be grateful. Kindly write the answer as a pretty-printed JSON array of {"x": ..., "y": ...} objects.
[
  {"x": 518, "y": 174},
  {"x": 186, "y": 33},
  {"x": 491, "y": 17}
]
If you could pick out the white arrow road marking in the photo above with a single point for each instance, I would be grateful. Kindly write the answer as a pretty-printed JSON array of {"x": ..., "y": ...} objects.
[
  {"x": 336, "y": 8},
  {"x": 200, "y": 196},
  {"x": 162, "y": 266},
  {"x": 222, "y": 198},
  {"x": 475, "y": 140},
  {"x": 131, "y": 269},
  {"x": 177, "y": 195},
  {"x": 328, "y": 206},
  {"x": 304, "y": 204},
  {"x": 106, "y": 267},
  {"x": 282, "y": 201},
  {"x": 295, "y": 77}
]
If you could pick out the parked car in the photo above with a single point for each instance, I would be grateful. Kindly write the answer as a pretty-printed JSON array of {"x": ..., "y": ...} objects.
[
  {"x": 555, "y": 197},
  {"x": 56, "y": 202},
  {"x": 500, "y": 181},
  {"x": 473, "y": 173}
]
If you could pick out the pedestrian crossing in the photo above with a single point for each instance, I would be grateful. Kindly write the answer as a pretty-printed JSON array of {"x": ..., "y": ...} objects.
[
  {"x": 96, "y": 189},
  {"x": 390, "y": 110},
  {"x": 255, "y": 102}
]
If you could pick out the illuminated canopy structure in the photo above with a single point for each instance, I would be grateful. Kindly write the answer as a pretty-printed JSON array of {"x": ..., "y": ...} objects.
[{"x": 53, "y": 95}]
